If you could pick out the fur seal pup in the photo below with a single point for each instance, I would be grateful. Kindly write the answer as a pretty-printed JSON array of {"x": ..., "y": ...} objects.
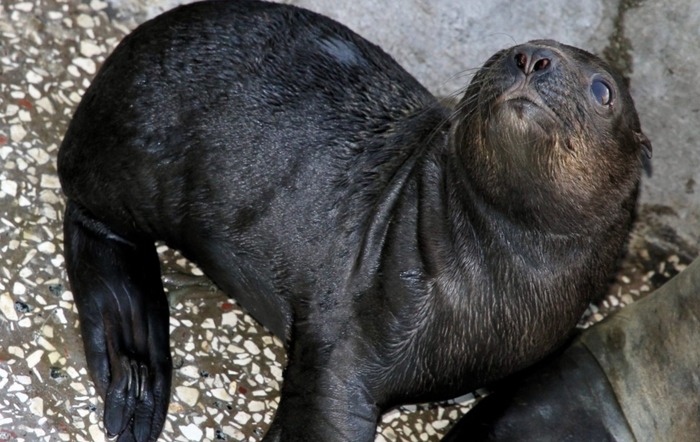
[
  {"x": 402, "y": 250},
  {"x": 633, "y": 377}
]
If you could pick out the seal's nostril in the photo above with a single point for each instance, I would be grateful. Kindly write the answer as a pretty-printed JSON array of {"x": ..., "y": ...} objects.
[
  {"x": 541, "y": 64},
  {"x": 531, "y": 59}
]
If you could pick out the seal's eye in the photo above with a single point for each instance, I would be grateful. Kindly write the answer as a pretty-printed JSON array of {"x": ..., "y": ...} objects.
[{"x": 602, "y": 92}]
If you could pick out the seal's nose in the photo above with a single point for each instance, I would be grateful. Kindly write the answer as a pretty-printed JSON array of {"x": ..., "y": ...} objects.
[{"x": 533, "y": 59}]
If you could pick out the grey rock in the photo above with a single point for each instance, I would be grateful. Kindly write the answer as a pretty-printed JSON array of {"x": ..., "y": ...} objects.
[{"x": 666, "y": 86}]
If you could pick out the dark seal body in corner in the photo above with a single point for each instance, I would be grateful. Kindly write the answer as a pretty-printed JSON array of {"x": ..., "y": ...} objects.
[{"x": 402, "y": 250}]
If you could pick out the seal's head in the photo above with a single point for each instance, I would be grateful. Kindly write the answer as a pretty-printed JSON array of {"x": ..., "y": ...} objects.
[{"x": 549, "y": 133}]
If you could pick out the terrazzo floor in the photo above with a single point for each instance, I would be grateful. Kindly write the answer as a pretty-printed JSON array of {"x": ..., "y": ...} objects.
[{"x": 228, "y": 368}]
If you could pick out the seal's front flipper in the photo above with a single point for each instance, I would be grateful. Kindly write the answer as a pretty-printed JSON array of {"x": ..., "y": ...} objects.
[
  {"x": 124, "y": 323},
  {"x": 324, "y": 397}
]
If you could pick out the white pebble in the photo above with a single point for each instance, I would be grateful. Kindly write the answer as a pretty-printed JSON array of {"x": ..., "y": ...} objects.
[
  {"x": 242, "y": 417},
  {"x": 25, "y": 117},
  {"x": 15, "y": 388},
  {"x": 233, "y": 388},
  {"x": 85, "y": 21},
  {"x": 229, "y": 319},
  {"x": 98, "y": 5},
  {"x": 37, "y": 406},
  {"x": 72, "y": 372},
  {"x": 441, "y": 424},
  {"x": 7, "y": 307},
  {"x": 9, "y": 187},
  {"x": 47, "y": 247},
  {"x": 251, "y": 347},
  {"x": 80, "y": 388},
  {"x": 34, "y": 92},
  {"x": 48, "y": 332},
  {"x": 16, "y": 351},
  {"x": 24, "y": 6},
  {"x": 73, "y": 70},
  {"x": 208, "y": 324},
  {"x": 188, "y": 395},
  {"x": 24, "y": 380},
  {"x": 221, "y": 394},
  {"x": 192, "y": 432},
  {"x": 256, "y": 406},
  {"x": 17, "y": 133},
  {"x": 46, "y": 104},
  {"x": 96, "y": 433},
  {"x": 89, "y": 49},
  {"x": 61, "y": 316},
  {"x": 190, "y": 371},
  {"x": 33, "y": 77},
  {"x": 57, "y": 261},
  {"x": 85, "y": 64},
  {"x": 48, "y": 196},
  {"x": 11, "y": 110},
  {"x": 19, "y": 289},
  {"x": 276, "y": 371},
  {"x": 50, "y": 181},
  {"x": 54, "y": 356}
]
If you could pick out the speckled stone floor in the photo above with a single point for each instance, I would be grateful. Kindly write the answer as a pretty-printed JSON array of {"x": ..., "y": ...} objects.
[{"x": 228, "y": 368}]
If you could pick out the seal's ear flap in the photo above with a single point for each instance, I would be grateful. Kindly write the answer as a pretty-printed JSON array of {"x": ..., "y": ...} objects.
[{"x": 646, "y": 151}]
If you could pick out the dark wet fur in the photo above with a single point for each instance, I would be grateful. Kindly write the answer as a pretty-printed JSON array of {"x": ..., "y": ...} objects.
[{"x": 393, "y": 244}]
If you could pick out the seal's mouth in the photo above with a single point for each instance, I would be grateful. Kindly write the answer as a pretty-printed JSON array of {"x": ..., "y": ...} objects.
[{"x": 526, "y": 103}]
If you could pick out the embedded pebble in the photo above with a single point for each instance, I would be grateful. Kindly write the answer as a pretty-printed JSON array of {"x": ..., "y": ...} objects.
[
  {"x": 49, "y": 181},
  {"x": 190, "y": 371},
  {"x": 37, "y": 406},
  {"x": 19, "y": 289},
  {"x": 34, "y": 358},
  {"x": 17, "y": 133},
  {"x": 89, "y": 49},
  {"x": 251, "y": 347},
  {"x": 24, "y": 380},
  {"x": 229, "y": 319},
  {"x": 9, "y": 187},
  {"x": 85, "y": 21},
  {"x": 192, "y": 432},
  {"x": 33, "y": 77},
  {"x": 85, "y": 64},
  {"x": 24, "y": 6},
  {"x": 98, "y": 5},
  {"x": 7, "y": 307},
  {"x": 47, "y": 247},
  {"x": 46, "y": 104},
  {"x": 188, "y": 395},
  {"x": 221, "y": 394},
  {"x": 96, "y": 433}
]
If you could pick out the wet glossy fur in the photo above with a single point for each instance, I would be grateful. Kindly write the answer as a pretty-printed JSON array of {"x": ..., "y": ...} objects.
[{"x": 393, "y": 244}]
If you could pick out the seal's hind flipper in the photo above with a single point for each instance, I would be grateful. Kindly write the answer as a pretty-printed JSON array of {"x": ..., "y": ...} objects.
[{"x": 124, "y": 322}]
